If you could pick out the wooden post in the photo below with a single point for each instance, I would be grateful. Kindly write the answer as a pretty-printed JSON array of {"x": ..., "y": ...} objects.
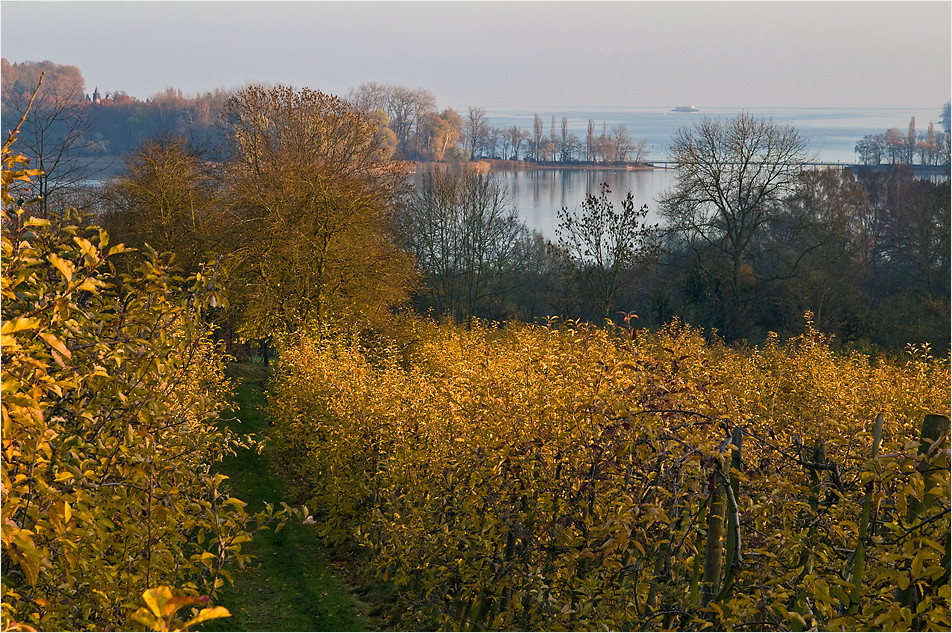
[
  {"x": 731, "y": 485},
  {"x": 713, "y": 557}
]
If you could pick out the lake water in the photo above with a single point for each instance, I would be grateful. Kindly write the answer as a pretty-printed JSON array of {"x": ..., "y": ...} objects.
[
  {"x": 539, "y": 194},
  {"x": 831, "y": 134}
]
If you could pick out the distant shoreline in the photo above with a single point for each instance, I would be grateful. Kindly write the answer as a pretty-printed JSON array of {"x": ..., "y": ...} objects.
[
  {"x": 489, "y": 165},
  {"x": 494, "y": 164}
]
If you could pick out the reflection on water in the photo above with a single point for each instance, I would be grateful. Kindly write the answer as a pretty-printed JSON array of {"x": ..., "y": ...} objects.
[{"x": 539, "y": 194}]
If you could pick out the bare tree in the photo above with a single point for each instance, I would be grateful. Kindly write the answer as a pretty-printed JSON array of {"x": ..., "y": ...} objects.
[
  {"x": 911, "y": 141},
  {"x": 466, "y": 236},
  {"x": 535, "y": 142},
  {"x": 371, "y": 96},
  {"x": 513, "y": 138},
  {"x": 406, "y": 110},
  {"x": 53, "y": 136},
  {"x": 493, "y": 140},
  {"x": 608, "y": 247},
  {"x": 568, "y": 143},
  {"x": 640, "y": 152},
  {"x": 603, "y": 144},
  {"x": 410, "y": 106},
  {"x": 870, "y": 149},
  {"x": 477, "y": 132},
  {"x": 591, "y": 144},
  {"x": 731, "y": 178},
  {"x": 564, "y": 139},
  {"x": 620, "y": 144}
]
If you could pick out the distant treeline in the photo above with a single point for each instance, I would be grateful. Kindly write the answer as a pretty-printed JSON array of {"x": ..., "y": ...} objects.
[
  {"x": 102, "y": 125},
  {"x": 108, "y": 125},
  {"x": 894, "y": 147},
  {"x": 867, "y": 254}
]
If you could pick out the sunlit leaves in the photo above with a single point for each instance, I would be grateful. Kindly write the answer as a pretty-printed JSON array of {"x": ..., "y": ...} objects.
[
  {"x": 162, "y": 608},
  {"x": 558, "y": 477},
  {"x": 111, "y": 389},
  {"x": 311, "y": 198}
]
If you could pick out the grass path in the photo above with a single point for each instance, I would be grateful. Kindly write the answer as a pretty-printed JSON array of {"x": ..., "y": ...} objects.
[{"x": 290, "y": 585}]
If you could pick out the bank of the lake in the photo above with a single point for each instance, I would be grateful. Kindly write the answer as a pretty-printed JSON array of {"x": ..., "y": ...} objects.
[{"x": 495, "y": 165}]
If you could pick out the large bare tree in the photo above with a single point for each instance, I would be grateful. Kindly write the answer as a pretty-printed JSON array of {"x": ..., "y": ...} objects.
[
  {"x": 477, "y": 132},
  {"x": 732, "y": 176},
  {"x": 406, "y": 110}
]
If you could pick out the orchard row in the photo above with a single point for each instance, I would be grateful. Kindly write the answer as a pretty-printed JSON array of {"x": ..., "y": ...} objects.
[{"x": 572, "y": 477}]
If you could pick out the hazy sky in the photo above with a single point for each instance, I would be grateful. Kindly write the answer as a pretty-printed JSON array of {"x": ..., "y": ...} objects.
[{"x": 523, "y": 54}]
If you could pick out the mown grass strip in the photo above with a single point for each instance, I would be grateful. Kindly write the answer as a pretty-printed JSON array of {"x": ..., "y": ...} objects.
[{"x": 289, "y": 586}]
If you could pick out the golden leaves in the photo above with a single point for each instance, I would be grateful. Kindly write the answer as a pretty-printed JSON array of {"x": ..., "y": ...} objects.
[
  {"x": 108, "y": 401},
  {"x": 564, "y": 472},
  {"x": 163, "y": 606}
]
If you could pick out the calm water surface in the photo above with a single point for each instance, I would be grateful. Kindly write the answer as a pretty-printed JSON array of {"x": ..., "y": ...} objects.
[
  {"x": 539, "y": 194},
  {"x": 831, "y": 135}
]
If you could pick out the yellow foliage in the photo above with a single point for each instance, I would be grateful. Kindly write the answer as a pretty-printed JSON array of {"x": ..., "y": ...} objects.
[
  {"x": 162, "y": 607},
  {"x": 549, "y": 477},
  {"x": 112, "y": 386}
]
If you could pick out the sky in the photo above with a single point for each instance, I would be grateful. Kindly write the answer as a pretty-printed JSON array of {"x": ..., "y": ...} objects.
[{"x": 528, "y": 55}]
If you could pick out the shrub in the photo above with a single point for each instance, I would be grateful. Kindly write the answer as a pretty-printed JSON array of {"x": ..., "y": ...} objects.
[
  {"x": 111, "y": 389},
  {"x": 543, "y": 477}
]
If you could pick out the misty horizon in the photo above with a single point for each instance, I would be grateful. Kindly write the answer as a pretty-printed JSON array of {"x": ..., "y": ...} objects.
[{"x": 508, "y": 54}]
